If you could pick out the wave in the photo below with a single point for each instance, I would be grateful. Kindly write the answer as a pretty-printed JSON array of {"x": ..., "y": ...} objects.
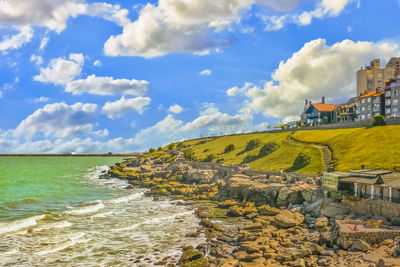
[
  {"x": 125, "y": 198},
  {"x": 20, "y": 224},
  {"x": 56, "y": 225},
  {"x": 71, "y": 241},
  {"x": 86, "y": 209}
]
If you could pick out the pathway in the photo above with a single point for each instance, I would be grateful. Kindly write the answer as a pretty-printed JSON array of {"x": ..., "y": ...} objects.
[{"x": 329, "y": 162}]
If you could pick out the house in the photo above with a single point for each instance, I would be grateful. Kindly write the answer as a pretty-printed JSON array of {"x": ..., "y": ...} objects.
[
  {"x": 364, "y": 183},
  {"x": 320, "y": 113},
  {"x": 392, "y": 98},
  {"x": 370, "y": 105},
  {"x": 345, "y": 112}
]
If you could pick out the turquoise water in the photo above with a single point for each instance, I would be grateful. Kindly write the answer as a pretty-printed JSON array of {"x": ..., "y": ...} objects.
[
  {"x": 55, "y": 211},
  {"x": 36, "y": 185}
]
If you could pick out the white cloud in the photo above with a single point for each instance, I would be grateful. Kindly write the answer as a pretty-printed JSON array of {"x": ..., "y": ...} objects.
[
  {"x": 325, "y": 8},
  {"x": 53, "y": 14},
  {"x": 60, "y": 70},
  {"x": 316, "y": 70},
  {"x": 41, "y": 99},
  {"x": 16, "y": 41},
  {"x": 206, "y": 72},
  {"x": 107, "y": 86},
  {"x": 116, "y": 109},
  {"x": 59, "y": 120},
  {"x": 183, "y": 26},
  {"x": 37, "y": 59},
  {"x": 237, "y": 91},
  {"x": 97, "y": 63},
  {"x": 175, "y": 109},
  {"x": 208, "y": 108},
  {"x": 43, "y": 43}
]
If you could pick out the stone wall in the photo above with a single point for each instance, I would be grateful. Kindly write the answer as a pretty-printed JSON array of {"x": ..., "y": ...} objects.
[{"x": 363, "y": 206}]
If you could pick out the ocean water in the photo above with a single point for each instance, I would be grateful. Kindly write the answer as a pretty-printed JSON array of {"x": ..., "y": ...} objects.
[{"x": 55, "y": 211}]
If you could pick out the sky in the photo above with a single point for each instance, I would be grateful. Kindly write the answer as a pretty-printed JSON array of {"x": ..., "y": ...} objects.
[{"x": 121, "y": 76}]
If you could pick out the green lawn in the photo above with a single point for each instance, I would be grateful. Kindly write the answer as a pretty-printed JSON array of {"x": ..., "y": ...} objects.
[
  {"x": 280, "y": 159},
  {"x": 376, "y": 147}
]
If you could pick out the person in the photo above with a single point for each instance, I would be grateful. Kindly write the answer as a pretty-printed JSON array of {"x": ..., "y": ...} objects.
[{"x": 205, "y": 250}]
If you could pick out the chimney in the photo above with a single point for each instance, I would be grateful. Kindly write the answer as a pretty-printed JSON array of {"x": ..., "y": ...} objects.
[
  {"x": 323, "y": 100},
  {"x": 306, "y": 102},
  {"x": 309, "y": 102}
]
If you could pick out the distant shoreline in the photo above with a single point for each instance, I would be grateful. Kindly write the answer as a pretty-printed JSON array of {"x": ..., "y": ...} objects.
[{"x": 72, "y": 155}]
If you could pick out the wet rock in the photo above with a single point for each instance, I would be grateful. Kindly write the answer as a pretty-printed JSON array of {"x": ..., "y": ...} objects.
[
  {"x": 268, "y": 211},
  {"x": 235, "y": 211},
  {"x": 287, "y": 219}
]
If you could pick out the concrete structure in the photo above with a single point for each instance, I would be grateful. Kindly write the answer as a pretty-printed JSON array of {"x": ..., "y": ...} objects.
[
  {"x": 373, "y": 77},
  {"x": 368, "y": 184},
  {"x": 392, "y": 98},
  {"x": 370, "y": 105}
]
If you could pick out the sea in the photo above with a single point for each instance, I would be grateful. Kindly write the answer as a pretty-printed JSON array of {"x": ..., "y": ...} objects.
[{"x": 55, "y": 211}]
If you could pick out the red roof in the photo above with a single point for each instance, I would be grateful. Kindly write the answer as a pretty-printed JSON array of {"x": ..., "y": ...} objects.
[{"x": 325, "y": 107}]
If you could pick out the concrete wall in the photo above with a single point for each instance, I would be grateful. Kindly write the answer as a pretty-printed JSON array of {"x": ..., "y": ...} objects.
[{"x": 362, "y": 206}]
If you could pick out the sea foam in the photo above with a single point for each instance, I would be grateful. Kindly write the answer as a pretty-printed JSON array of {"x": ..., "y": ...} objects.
[{"x": 20, "y": 224}]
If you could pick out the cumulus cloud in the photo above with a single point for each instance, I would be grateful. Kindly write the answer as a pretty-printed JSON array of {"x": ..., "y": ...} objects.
[
  {"x": 325, "y": 8},
  {"x": 116, "y": 109},
  {"x": 175, "y": 109},
  {"x": 183, "y": 26},
  {"x": 107, "y": 86},
  {"x": 53, "y": 14},
  {"x": 316, "y": 70},
  {"x": 237, "y": 90},
  {"x": 60, "y": 70},
  {"x": 206, "y": 72},
  {"x": 59, "y": 120},
  {"x": 24, "y": 35}
]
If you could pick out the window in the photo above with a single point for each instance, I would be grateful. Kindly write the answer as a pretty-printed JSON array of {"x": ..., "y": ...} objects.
[
  {"x": 362, "y": 108},
  {"x": 363, "y": 117},
  {"x": 379, "y": 81},
  {"x": 388, "y": 102},
  {"x": 395, "y": 110},
  {"x": 388, "y": 111},
  {"x": 368, "y": 116},
  {"x": 369, "y": 99},
  {"x": 363, "y": 100},
  {"x": 395, "y": 101},
  {"x": 387, "y": 93}
]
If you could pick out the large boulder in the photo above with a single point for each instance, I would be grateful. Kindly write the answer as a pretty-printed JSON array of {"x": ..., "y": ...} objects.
[
  {"x": 200, "y": 176},
  {"x": 360, "y": 245},
  {"x": 287, "y": 219},
  {"x": 288, "y": 196},
  {"x": 268, "y": 211}
]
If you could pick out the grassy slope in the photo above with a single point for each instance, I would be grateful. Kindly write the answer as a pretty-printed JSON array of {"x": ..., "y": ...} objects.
[
  {"x": 281, "y": 159},
  {"x": 376, "y": 148}
]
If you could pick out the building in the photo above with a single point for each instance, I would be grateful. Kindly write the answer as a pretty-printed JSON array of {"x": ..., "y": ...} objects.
[
  {"x": 373, "y": 77},
  {"x": 345, "y": 112},
  {"x": 370, "y": 105},
  {"x": 364, "y": 183},
  {"x": 319, "y": 113},
  {"x": 392, "y": 98}
]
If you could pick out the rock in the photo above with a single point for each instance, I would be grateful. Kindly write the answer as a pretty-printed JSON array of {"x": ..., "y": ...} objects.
[
  {"x": 395, "y": 221},
  {"x": 249, "y": 247},
  {"x": 190, "y": 254},
  {"x": 268, "y": 211},
  {"x": 324, "y": 238},
  {"x": 328, "y": 253},
  {"x": 373, "y": 223},
  {"x": 297, "y": 263},
  {"x": 226, "y": 204},
  {"x": 244, "y": 256},
  {"x": 332, "y": 209},
  {"x": 313, "y": 248},
  {"x": 146, "y": 168},
  {"x": 253, "y": 226},
  {"x": 360, "y": 245},
  {"x": 287, "y": 219},
  {"x": 235, "y": 211},
  {"x": 230, "y": 262},
  {"x": 276, "y": 179},
  {"x": 321, "y": 223}
]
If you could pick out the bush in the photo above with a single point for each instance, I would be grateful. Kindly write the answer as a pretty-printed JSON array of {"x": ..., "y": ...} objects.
[
  {"x": 252, "y": 144},
  {"x": 151, "y": 150},
  {"x": 379, "y": 120},
  {"x": 268, "y": 148},
  {"x": 159, "y": 149},
  {"x": 229, "y": 148},
  {"x": 250, "y": 158},
  {"x": 171, "y": 146},
  {"x": 302, "y": 160},
  {"x": 189, "y": 154},
  {"x": 206, "y": 150},
  {"x": 210, "y": 157}
]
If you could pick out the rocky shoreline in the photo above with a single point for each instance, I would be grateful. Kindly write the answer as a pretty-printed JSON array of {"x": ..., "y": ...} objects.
[{"x": 254, "y": 218}]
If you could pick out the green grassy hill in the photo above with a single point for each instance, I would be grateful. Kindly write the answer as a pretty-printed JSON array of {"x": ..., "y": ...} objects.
[{"x": 376, "y": 147}]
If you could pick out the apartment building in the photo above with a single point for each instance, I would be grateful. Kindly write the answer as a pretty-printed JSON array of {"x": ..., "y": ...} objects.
[
  {"x": 392, "y": 98},
  {"x": 370, "y": 105}
]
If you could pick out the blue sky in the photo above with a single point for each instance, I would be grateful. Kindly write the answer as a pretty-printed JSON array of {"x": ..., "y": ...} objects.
[{"x": 93, "y": 76}]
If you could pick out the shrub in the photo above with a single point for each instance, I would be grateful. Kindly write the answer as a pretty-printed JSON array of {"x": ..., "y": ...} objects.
[
  {"x": 379, "y": 120},
  {"x": 252, "y": 144},
  {"x": 268, "y": 148},
  {"x": 206, "y": 150},
  {"x": 159, "y": 149},
  {"x": 229, "y": 148},
  {"x": 189, "y": 154},
  {"x": 171, "y": 146},
  {"x": 250, "y": 158},
  {"x": 303, "y": 159},
  {"x": 210, "y": 157},
  {"x": 151, "y": 150}
]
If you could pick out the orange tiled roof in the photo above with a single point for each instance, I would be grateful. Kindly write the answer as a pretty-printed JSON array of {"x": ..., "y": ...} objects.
[
  {"x": 373, "y": 93},
  {"x": 325, "y": 107}
]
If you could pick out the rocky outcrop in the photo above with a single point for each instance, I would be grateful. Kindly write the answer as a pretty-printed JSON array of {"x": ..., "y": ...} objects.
[{"x": 287, "y": 219}]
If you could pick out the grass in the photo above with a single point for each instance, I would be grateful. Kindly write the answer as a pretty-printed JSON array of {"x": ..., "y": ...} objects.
[
  {"x": 376, "y": 147},
  {"x": 280, "y": 159}
]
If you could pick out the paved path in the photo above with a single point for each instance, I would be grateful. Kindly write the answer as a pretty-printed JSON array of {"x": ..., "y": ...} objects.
[{"x": 327, "y": 157}]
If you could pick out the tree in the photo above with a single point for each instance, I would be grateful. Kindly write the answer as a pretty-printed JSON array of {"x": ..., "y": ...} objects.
[
  {"x": 379, "y": 121},
  {"x": 151, "y": 150},
  {"x": 229, "y": 148}
]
